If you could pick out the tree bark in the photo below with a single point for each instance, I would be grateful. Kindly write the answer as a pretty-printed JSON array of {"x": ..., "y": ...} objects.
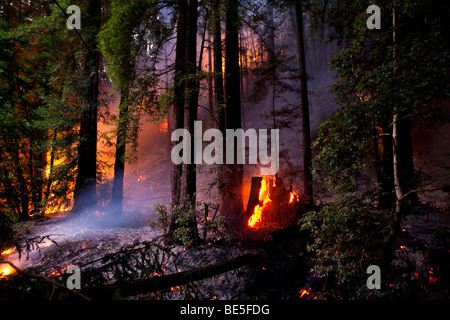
[
  {"x": 85, "y": 186},
  {"x": 191, "y": 98},
  {"x": 178, "y": 100},
  {"x": 306, "y": 131},
  {"x": 232, "y": 200},
  {"x": 119, "y": 164},
  {"x": 218, "y": 73}
]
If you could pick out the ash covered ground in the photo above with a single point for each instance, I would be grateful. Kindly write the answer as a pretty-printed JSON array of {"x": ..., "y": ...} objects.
[{"x": 420, "y": 268}]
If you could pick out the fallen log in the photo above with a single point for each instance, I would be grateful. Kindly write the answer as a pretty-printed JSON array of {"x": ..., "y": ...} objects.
[{"x": 167, "y": 281}]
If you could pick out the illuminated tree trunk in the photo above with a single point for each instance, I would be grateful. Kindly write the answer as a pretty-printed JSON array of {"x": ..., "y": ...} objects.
[{"x": 307, "y": 156}]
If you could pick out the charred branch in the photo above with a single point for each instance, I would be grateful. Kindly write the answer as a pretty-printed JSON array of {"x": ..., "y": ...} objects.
[{"x": 171, "y": 280}]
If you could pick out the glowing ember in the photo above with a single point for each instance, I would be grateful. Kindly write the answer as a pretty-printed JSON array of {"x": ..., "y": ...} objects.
[
  {"x": 264, "y": 199},
  {"x": 6, "y": 269},
  {"x": 304, "y": 292},
  {"x": 7, "y": 252},
  {"x": 164, "y": 126},
  {"x": 98, "y": 213},
  {"x": 292, "y": 197},
  {"x": 56, "y": 273},
  {"x": 140, "y": 178}
]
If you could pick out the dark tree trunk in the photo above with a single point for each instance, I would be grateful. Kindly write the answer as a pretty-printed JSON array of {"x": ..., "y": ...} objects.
[
  {"x": 232, "y": 202},
  {"x": 185, "y": 106},
  {"x": 119, "y": 164},
  {"x": 307, "y": 156},
  {"x": 386, "y": 181},
  {"x": 218, "y": 86},
  {"x": 85, "y": 185},
  {"x": 191, "y": 97},
  {"x": 178, "y": 103},
  {"x": 406, "y": 161},
  {"x": 189, "y": 181},
  {"x": 218, "y": 74}
]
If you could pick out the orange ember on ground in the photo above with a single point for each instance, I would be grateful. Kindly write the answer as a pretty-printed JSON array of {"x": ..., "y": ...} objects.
[
  {"x": 7, "y": 251},
  {"x": 304, "y": 292}
]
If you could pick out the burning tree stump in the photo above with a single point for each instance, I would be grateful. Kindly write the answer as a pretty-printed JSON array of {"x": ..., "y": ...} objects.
[
  {"x": 271, "y": 206},
  {"x": 253, "y": 199}
]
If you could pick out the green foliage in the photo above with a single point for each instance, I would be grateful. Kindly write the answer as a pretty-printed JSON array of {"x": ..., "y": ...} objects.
[
  {"x": 39, "y": 108},
  {"x": 375, "y": 80},
  {"x": 182, "y": 215},
  {"x": 345, "y": 238}
]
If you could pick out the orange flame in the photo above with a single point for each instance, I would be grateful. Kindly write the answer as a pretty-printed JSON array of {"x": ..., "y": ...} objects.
[
  {"x": 7, "y": 252},
  {"x": 293, "y": 197},
  {"x": 164, "y": 126},
  {"x": 57, "y": 273},
  {"x": 304, "y": 292},
  {"x": 6, "y": 269},
  {"x": 256, "y": 218}
]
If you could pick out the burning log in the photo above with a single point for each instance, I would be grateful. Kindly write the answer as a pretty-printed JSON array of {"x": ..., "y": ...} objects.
[{"x": 172, "y": 280}]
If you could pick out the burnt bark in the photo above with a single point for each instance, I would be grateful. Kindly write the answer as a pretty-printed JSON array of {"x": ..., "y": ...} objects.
[
  {"x": 253, "y": 199},
  {"x": 306, "y": 131},
  {"x": 85, "y": 186}
]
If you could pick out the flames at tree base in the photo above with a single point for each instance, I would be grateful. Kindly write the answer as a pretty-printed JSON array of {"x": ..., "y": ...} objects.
[{"x": 271, "y": 205}]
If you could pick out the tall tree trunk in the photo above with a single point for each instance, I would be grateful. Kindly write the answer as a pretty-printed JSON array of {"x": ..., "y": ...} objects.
[
  {"x": 178, "y": 103},
  {"x": 387, "y": 197},
  {"x": 218, "y": 73},
  {"x": 210, "y": 79},
  {"x": 119, "y": 164},
  {"x": 191, "y": 97},
  {"x": 404, "y": 186},
  {"x": 405, "y": 160},
  {"x": 307, "y": 156},
  {"x": 232, "y": 202},
  {"x": 219, "y": 103},
  {"x": 85, "y": 186}
]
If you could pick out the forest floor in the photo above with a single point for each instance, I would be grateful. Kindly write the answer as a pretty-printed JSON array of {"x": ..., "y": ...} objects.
[{"x": 420, "y": 268}]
